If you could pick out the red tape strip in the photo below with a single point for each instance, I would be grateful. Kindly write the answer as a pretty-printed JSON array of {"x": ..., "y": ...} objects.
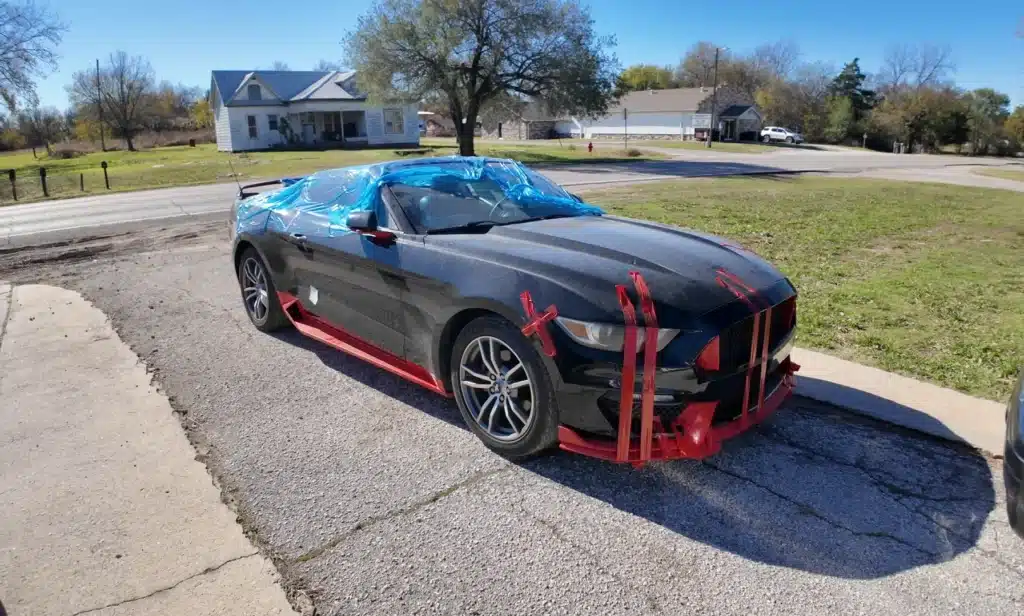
[
  {"x": 650, "y": 364},
  {"x": 537, "y": 323},
  {"x": 628, "y": 375}
]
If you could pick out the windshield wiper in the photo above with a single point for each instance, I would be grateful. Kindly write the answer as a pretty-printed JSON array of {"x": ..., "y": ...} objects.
[{"x": 476, "y": 225}]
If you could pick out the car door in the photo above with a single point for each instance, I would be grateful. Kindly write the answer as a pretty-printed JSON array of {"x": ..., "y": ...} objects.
[{"x": 342, "y": 284}]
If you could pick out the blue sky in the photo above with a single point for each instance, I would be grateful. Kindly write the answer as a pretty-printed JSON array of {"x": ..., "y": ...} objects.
[{"x": 186, "y": 39}]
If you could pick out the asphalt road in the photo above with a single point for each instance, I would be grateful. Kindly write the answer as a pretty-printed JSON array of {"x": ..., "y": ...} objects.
[
  {"x": 372, "y": 498},
  {"x": 70, "y": 218}
]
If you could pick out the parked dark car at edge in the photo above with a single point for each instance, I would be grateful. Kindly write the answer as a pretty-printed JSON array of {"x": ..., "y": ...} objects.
[
  {"x": 427, "y": 284},
  {"x": 1013, "y": 463}
]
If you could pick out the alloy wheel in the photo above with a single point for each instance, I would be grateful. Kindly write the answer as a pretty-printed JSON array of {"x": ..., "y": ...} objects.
[
  {"x": 496, "y": 387},
  {"x": 254, "y": 290}
]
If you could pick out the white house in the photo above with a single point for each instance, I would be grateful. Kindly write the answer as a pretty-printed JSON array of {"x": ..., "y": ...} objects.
[
  {"x": 679, "y": 113},
  {"x": 258, "y": 110}
]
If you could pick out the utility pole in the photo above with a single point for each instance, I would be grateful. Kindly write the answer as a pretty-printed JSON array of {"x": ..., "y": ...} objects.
[
  {"x": 714, "y": 99},
  {"x": 99, "y": 106}
]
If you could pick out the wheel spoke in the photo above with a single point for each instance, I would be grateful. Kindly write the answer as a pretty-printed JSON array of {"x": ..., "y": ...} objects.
[
  {"x": 515, "y": 369},
  {"x": 476, "y": 375},
  {"x": 510, "y": 405},
  {"x": 518, "y": 384},
  {"x": 473, "y": 385},
  {"x": 483, "y": 409},
  {"x": 485, "y": 359},
  {"x": 494, "y": 358}
]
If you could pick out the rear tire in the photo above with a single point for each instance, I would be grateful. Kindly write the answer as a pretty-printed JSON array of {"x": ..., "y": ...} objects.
[
  {"x": 497, "y": 339},
  {"x": 259, "y": 296}
]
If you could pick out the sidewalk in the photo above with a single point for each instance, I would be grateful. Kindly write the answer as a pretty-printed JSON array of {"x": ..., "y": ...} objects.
[
  {"x": 105, "y": 508},
  {"x": 902, "y": 401}
]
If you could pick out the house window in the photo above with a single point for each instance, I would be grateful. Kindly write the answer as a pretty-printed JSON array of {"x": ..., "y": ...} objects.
[
  {"x": 272, "y": 121},
  {"x": 253, "y": 133},
  {"x": 394, "y": 124},
  {"x": 254, "y": 92}
]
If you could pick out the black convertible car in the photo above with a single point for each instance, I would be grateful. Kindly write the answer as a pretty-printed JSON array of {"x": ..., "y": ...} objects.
[{"x": 549, "y": 321}]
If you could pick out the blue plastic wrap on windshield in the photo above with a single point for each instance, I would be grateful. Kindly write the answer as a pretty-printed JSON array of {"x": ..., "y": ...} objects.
[{"x": 318, "y": 205}]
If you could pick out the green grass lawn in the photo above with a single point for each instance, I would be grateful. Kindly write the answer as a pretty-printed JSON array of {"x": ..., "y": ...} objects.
[
  {"x": 1007, "y": 174},
  {"x": 925, "y": 280},
  {"x": 182, "y": 165}
]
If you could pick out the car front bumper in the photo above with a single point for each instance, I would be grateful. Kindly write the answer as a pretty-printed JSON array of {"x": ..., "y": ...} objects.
[{"x": 635, "y": 411}]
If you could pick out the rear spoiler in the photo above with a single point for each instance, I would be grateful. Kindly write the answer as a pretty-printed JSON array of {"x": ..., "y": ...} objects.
[{"x": 244, "y": 193}]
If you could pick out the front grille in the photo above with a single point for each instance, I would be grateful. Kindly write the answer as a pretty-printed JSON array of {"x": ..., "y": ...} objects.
[
  {"x": 734, "y": 349},
  {"x": 729, "y": 393}
]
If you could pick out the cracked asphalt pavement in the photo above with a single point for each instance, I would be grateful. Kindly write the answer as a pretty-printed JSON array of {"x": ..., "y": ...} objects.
[{"x": 371, "y": 497}]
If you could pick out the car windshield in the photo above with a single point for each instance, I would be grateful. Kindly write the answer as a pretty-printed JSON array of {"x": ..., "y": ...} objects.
[{"x": 503, "y": 194}]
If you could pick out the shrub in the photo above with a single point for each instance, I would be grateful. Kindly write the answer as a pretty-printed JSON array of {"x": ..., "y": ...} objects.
[{"x": 633, "y": 153}]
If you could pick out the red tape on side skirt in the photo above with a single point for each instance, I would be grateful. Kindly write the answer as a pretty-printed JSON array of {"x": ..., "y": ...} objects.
[
  {"x": 537, "y": 323},
  {"x": 650, "y": 362},
  {"x": 628, "y": 375}
]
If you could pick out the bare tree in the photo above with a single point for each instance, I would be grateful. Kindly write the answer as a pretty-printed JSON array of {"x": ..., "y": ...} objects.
[
  {"x": 279, "y": 66},
  {"x": 465, "y": 53},
  {"x": 29, "y": 35},
  {"x": 41, "y": 127},
  {"x": 123, "y": 90},
  {"x": 327, "y": 65},
  {"x": 777, "y": 59},
  {"x": 696, "y": 69},
  {"x": 915, "y": 66}
]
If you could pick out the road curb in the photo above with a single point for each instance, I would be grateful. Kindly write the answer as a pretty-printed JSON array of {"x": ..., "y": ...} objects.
[{"x": 902, "y": 401}]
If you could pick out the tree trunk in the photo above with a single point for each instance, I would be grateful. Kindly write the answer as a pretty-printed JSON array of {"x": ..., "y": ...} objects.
[
  {"x": 464, "y": 136},
  {"x": 128, "y": 142}
]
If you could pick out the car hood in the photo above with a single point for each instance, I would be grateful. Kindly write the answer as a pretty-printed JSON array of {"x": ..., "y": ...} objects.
[{"x": 590, "y": 255}]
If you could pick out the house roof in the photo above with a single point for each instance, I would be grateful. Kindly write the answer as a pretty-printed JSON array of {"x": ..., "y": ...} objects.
[
  {"x": 291, "y": 85},
  {"x": 734, "y": 111},
  {"x": 675, "y": 99}
]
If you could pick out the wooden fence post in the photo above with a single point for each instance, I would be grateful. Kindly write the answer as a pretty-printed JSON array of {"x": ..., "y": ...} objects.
[
  {"x": 14, "y": 186},
  {"x": 106, "y": 179},
  {"x": 42, "y": 180}
]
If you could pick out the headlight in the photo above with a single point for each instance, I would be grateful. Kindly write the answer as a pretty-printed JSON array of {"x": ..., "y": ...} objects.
[{"x": 609, "y": 337}]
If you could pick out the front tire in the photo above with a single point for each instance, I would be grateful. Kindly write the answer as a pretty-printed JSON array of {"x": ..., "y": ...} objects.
[
  {"x": 767, "y": 139},
  {"x": 503, "y": 389},
  {"x": 259, "y": 296}
]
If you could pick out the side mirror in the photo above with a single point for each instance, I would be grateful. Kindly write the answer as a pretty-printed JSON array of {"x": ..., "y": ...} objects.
[
  {"x": 364, "y": 221},
  {"x": 365, "y": 224},
  {"x": 576, "y": 197}
]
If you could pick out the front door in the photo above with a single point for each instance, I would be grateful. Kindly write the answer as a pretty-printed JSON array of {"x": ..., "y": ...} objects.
[
  {"x": 354, "y": 294},
  {"x": 729, "y": 130}
]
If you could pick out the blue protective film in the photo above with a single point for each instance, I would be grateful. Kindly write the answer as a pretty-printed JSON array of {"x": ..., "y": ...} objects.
[{"x": 318, "y": 205}]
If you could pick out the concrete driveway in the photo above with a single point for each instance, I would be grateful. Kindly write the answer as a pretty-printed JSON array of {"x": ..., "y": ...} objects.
[
  {"x": 368, "y": 493},
  {"x": 72, "y": 218}
]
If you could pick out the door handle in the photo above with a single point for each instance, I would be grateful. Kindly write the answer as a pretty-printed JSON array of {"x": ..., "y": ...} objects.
[{"x": 300, "y": 240}]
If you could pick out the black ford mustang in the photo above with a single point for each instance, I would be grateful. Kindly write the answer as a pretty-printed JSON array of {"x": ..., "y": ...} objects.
[{"x": 547, "y": 320}]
